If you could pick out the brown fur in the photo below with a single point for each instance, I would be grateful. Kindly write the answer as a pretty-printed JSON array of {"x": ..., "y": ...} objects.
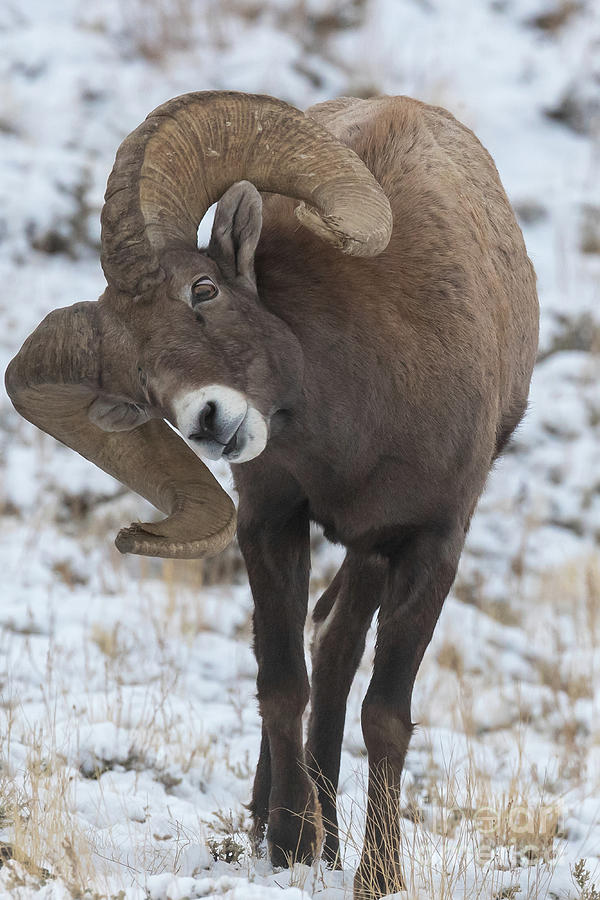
[
  {"x": 390, "y": 385},
  {"x": 416, "y": 371}
]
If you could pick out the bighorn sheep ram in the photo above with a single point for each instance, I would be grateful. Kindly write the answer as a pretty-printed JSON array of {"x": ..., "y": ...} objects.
[{"x": 360, "y": 341}]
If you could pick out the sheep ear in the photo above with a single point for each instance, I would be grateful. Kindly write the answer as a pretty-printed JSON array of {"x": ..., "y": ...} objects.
[
  {"x": 116, "y": 415},
  {"x": 236, "y": 230}
]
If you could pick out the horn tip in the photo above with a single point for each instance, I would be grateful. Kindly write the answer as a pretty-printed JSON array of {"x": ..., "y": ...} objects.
[
  {"x": 369, "y": 241},
  {"x": 135, "y": 539}
]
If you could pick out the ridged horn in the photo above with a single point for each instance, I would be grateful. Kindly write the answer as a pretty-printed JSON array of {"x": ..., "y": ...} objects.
[
  {"x": 52, "y": 382},
  {"x": 190, "y": 150}
]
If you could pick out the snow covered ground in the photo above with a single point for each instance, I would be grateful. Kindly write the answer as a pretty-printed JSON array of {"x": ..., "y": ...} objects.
[{"x": 129, "y": 728}]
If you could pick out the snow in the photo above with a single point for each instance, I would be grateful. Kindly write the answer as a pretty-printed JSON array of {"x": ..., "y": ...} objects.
[{"x": 129, "y": 723}]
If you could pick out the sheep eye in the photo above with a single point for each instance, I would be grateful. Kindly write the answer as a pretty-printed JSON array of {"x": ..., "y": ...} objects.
[{"x": 203, "y": 289}]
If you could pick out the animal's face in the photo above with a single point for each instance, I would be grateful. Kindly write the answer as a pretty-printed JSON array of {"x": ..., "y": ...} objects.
[
  {"x": 181, "y": 335},
  {"x": 209, "y": 357}
]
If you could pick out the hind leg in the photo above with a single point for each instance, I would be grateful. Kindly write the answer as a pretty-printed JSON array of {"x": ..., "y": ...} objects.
[
  {"x": 419, "y": 578},
  {"x": 342, "y": 618},
  {"x": 259, "y": 805}
]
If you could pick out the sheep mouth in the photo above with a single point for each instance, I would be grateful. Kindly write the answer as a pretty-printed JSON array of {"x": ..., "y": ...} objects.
[
  {"x": 218, "y": 448},
  {"x": 248, "y": 440},
  {"x": 232, "y": 444}
]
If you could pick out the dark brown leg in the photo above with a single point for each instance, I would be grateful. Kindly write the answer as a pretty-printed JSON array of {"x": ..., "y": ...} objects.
[
  {"x": 275, "y": 545},
  {"x": 259, "y": 805},
  {"x": 419, "y": 579},
  {"x": 342, "y": 618}
]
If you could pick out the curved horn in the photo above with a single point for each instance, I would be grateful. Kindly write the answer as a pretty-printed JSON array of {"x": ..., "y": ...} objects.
[
  {"x": 190, "y": 150},
  {"x": 52, "y": 382}
]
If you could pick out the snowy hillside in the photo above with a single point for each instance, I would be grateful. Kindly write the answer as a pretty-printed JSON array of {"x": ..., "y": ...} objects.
[{"x": 129, "y": 728}]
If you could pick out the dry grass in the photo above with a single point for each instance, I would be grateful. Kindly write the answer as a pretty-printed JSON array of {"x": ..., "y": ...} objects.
[
  {"x": 556, "y": 16},
  {"x": 38, "y": 795},
  {"x": 583, "y": 880},
  {"x": 230, "y": 842},
  {"x": 155, "y": 28},
  {"x": 463, "y": 839},
  {"x": 449, "y": 656},
  {"x": 574, "y": 589},
  {"x": 580, "y": 332},
  {"x": 38, "y": 808},
  {"x": 459, "y": 834}
]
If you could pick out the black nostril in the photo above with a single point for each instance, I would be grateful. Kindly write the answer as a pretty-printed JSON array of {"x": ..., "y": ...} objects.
[{"x": 206, "y": 419}]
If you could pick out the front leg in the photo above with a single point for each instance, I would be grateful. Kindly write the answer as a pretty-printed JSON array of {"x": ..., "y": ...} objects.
[{"x": 274, "y": 540}]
